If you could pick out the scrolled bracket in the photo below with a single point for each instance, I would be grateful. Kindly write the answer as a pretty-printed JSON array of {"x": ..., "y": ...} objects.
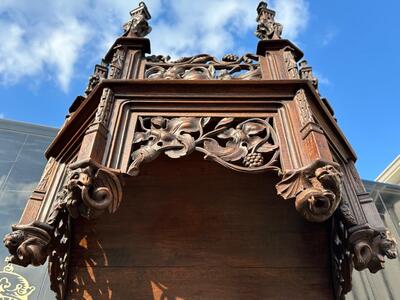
[
  {"x": 29, "y": 244},
  {"x": 91, "y": 190},
  {"x": 370, "y": 247},
  {"x": 316, "y": 189}
]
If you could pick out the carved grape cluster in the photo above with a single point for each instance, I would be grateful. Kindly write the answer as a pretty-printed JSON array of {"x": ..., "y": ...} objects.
[{"x": 253, "y": 160}]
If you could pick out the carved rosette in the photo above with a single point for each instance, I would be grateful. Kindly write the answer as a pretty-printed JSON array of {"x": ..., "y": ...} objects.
[
  {"x": 370, "y": 247},
  {"x": 247, "y": 146},
  {"x": 316, "y": 189}
]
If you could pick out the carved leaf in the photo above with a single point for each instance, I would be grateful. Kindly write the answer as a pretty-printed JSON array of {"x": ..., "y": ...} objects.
[
  {"x": 204, "y": 121},
  {"x": 224, "y": 121},
  {"x": 232, "y": 152},
  {"x": 188, "y": 144},
  {"x": 292, "y": 185},
  {"x": 266, "y": 148},
  {"x": 140, "y": 137},
  {"x": 251, "y": 128}
]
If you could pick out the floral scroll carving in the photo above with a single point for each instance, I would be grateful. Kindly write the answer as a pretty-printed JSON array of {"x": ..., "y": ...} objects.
[
  {"x": 370, "y": 247},
  {"x": 204, "y": 67},
  {"x": 316, "y": 189},
  {"x": 246, "y": 146}
]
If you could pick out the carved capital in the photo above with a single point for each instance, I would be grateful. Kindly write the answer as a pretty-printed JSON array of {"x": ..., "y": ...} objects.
[
  {"x": 370, "y": 247},
  {"x": 315, "y": 188},
  {"x": 28, "y": 244},
  {"x": 91, "y": 190}
]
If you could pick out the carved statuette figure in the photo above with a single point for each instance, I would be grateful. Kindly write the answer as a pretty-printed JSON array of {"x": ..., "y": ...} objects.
[
  {"x": 138, "y": 26},
  {"x": 267, "y": 28}
]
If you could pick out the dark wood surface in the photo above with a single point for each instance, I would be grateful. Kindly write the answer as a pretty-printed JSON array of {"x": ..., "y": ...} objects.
[{"x": 190, "y": 229}]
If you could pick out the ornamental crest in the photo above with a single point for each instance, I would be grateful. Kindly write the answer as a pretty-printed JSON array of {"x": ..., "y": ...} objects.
[{"x": 13, "y": 286}]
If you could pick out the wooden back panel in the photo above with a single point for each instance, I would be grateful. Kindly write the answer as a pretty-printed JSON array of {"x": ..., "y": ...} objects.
[{"x": 190, "y": 229}]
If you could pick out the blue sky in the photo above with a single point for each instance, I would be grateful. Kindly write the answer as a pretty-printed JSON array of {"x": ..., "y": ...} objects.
[{"x": 48, "y": 49}]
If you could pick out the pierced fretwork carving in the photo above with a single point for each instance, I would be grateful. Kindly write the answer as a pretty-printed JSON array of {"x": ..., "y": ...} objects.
[
  {"x": 267, "y": 28},
  {"x": 204, "y": 67},
  {"x": 315, "y": 188},
  {"x": 370, "y": 247},
  {"x": 342, "y": 265},
  {"x": 246, "y": 146}
]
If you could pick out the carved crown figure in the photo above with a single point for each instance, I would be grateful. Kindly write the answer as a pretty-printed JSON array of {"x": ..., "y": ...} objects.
[
  {"x": 267, "y": 28},
  {"x": 138, "y": 26}
]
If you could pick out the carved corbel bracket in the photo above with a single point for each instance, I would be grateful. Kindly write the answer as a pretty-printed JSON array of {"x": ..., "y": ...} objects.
[
  {"x": 370, "y": 247},
  {"x": 91, "y": 190},
  {"x": 88, "y": 191},
  {"x": 316, "y": 189},
  {"x": 28, "y": 244}
]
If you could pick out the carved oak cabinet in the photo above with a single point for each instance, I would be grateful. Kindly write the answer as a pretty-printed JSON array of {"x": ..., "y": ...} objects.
[{"x": 201, "y": 178}]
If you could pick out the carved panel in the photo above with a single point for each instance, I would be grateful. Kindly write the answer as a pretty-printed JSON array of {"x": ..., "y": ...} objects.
[
  {"x": 104, "y": 108},
  {"x": 117, "y": 63},
  {"x": 249, "y": 145},
  {"x": 204, "y": 67},
  {"x": 305, "y": 111}
]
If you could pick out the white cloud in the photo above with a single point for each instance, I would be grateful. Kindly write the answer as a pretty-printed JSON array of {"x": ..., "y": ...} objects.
[
  {"x": 2, "y": 116},
  {"x": 294, "y": 15},
  {"x": 322, "y": 79},
  {"x": 47, "y": 39}
]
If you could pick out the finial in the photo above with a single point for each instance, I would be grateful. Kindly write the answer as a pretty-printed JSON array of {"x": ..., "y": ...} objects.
[
  {"x": 138, "y": 26},
  {"x": 267, "y": 28}
]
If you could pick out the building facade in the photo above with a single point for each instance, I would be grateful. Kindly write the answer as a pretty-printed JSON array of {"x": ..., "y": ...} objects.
[{"x": 22, "y": 161}]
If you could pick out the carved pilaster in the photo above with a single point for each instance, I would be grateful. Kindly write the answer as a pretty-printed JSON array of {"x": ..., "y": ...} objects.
[
  {"x": 117, "y": 63},
  {"x": 291, "y": 63},
  {"x": 315, "y": 188}
]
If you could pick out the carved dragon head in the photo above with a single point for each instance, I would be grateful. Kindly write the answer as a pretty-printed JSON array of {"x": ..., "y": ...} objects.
[
  {"x": 28, "y": 244},
  {"x": 371, "y": 247}
]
